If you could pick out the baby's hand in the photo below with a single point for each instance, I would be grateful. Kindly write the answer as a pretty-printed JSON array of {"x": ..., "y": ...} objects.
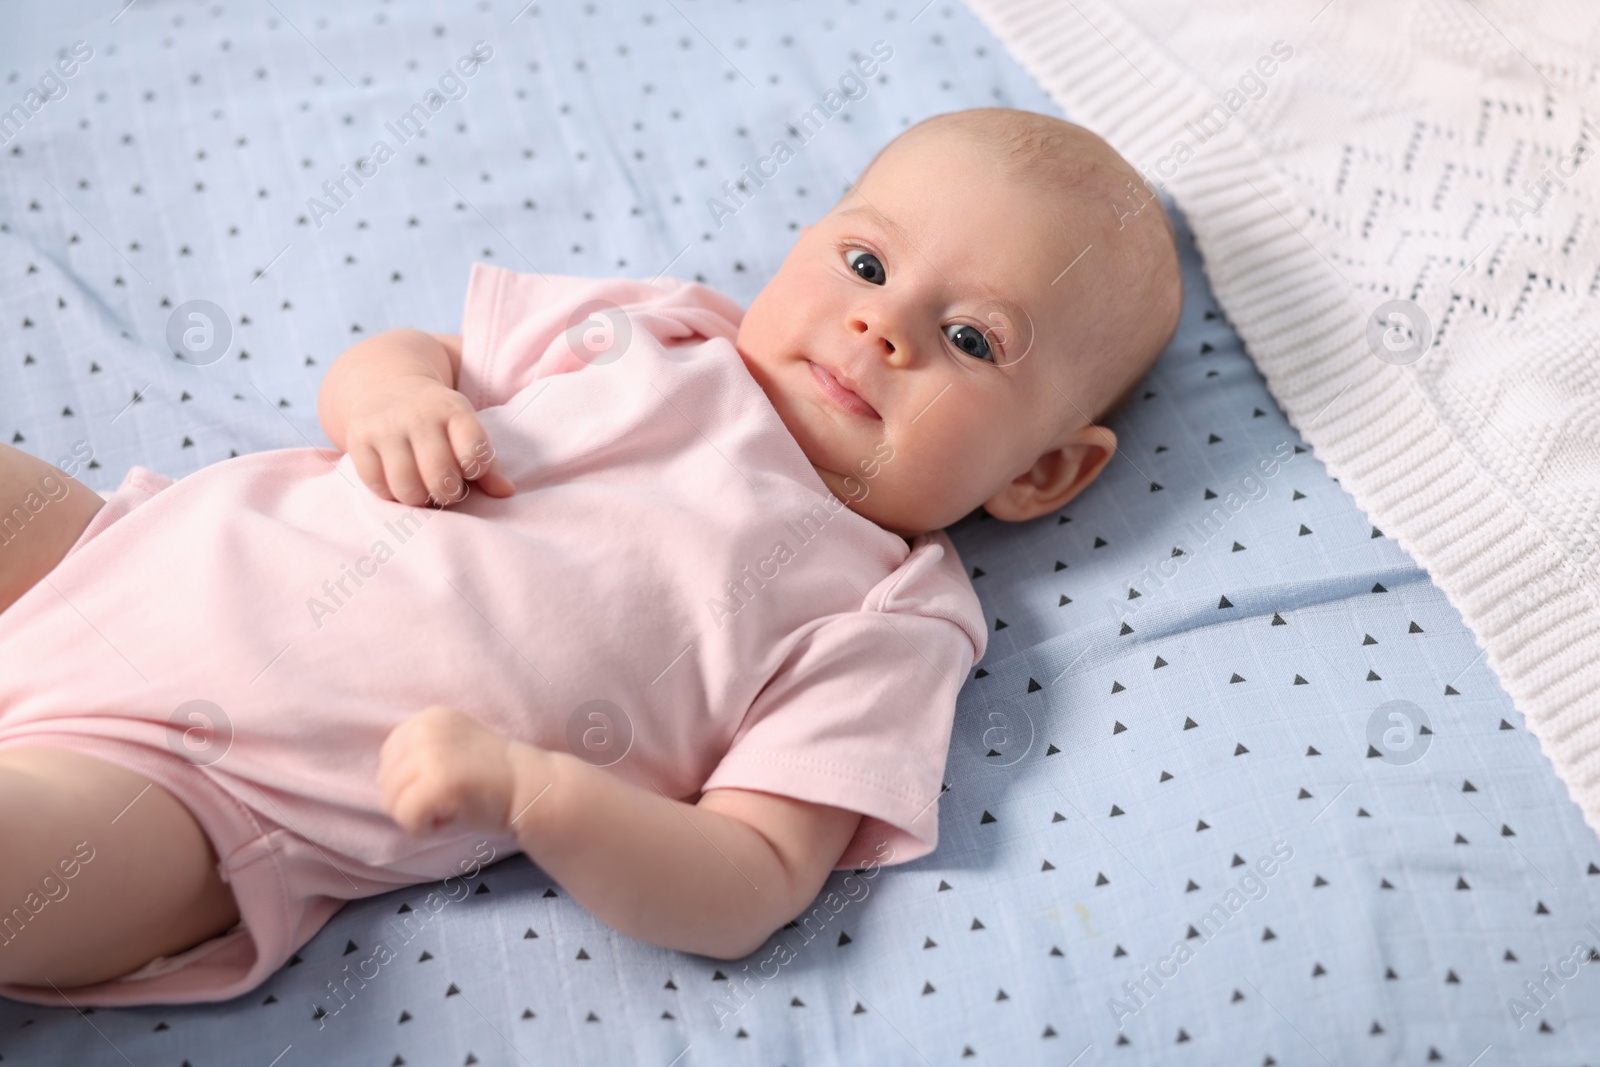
[
  {"x": 441, "y": 767},
  {"x": 415, "y": 440}
]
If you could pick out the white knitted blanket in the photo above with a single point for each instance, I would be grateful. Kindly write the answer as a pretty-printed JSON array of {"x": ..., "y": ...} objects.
[{"x": 1333, "y": 156}]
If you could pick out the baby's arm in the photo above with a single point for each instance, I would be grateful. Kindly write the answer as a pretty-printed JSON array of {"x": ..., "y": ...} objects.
[
  {"x": 391, "y": 403},
  {"x": 714, "y": 878}
]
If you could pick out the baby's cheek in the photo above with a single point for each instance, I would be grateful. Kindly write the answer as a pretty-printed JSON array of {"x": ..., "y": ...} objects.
[
  {"x": 871, "y": 472},
  {"x": 929, "y": 490}
]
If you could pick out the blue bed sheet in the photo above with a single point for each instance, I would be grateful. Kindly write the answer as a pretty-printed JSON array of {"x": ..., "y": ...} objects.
[{"x": 1232, "y": 784}]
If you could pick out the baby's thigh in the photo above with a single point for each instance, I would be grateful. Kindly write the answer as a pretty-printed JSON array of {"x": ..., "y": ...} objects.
[
  {"x": 42, "y": 513},
  {"x": 101, "y": 870}
]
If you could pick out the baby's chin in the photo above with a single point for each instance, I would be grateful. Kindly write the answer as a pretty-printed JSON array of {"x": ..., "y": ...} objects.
[{"x": 874, "y": 503}]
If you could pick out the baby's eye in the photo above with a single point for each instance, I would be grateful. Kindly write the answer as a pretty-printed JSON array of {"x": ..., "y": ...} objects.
[
  {"x": 866, "y": 264},
  {"x": 969, "y": 339}
]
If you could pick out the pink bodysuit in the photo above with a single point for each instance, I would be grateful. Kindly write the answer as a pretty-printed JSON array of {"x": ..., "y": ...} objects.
[{"x": 672, "y": 592}]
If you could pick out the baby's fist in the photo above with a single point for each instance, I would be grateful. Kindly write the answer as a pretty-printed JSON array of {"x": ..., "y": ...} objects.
[
  {"x": 441, "y": 768},
  {"x": 417, "y": 441}
]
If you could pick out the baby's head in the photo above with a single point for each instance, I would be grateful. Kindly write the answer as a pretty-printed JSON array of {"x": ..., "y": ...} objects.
[{"x": 993, "y": 285}]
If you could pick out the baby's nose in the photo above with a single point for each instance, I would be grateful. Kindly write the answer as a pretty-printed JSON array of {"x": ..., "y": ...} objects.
[{"x": 860, "y": 325}]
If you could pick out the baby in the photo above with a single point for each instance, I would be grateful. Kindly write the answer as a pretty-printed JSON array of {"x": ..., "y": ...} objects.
[{"x": 695, "y": 644}]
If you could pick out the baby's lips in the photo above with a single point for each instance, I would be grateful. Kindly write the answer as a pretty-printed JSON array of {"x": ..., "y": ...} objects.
[{"x": 825, "y": 374}]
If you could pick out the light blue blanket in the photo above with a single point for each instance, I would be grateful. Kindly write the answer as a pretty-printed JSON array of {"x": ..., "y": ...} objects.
[{"x": 1193, "y": 813}]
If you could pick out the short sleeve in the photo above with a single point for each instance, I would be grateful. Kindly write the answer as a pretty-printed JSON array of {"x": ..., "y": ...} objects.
[
  {"x": 517, "y": 328},
  {"x": 860, "y": 712}
]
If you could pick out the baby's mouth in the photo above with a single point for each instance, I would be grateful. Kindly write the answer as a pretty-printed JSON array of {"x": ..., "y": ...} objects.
[{"x": 842, "y": 396}]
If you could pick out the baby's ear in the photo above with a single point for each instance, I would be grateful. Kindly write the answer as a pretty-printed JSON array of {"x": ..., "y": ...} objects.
[{"x": 1056, "y": 477}]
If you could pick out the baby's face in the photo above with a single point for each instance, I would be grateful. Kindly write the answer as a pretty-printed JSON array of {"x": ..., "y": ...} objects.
[{"x": 913, "y": 342}]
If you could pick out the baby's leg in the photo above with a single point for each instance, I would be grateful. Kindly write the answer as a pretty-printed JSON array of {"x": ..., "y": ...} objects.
[
  {"x": 148, "y": 888},
  {"x": 33, "y": 541}
]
